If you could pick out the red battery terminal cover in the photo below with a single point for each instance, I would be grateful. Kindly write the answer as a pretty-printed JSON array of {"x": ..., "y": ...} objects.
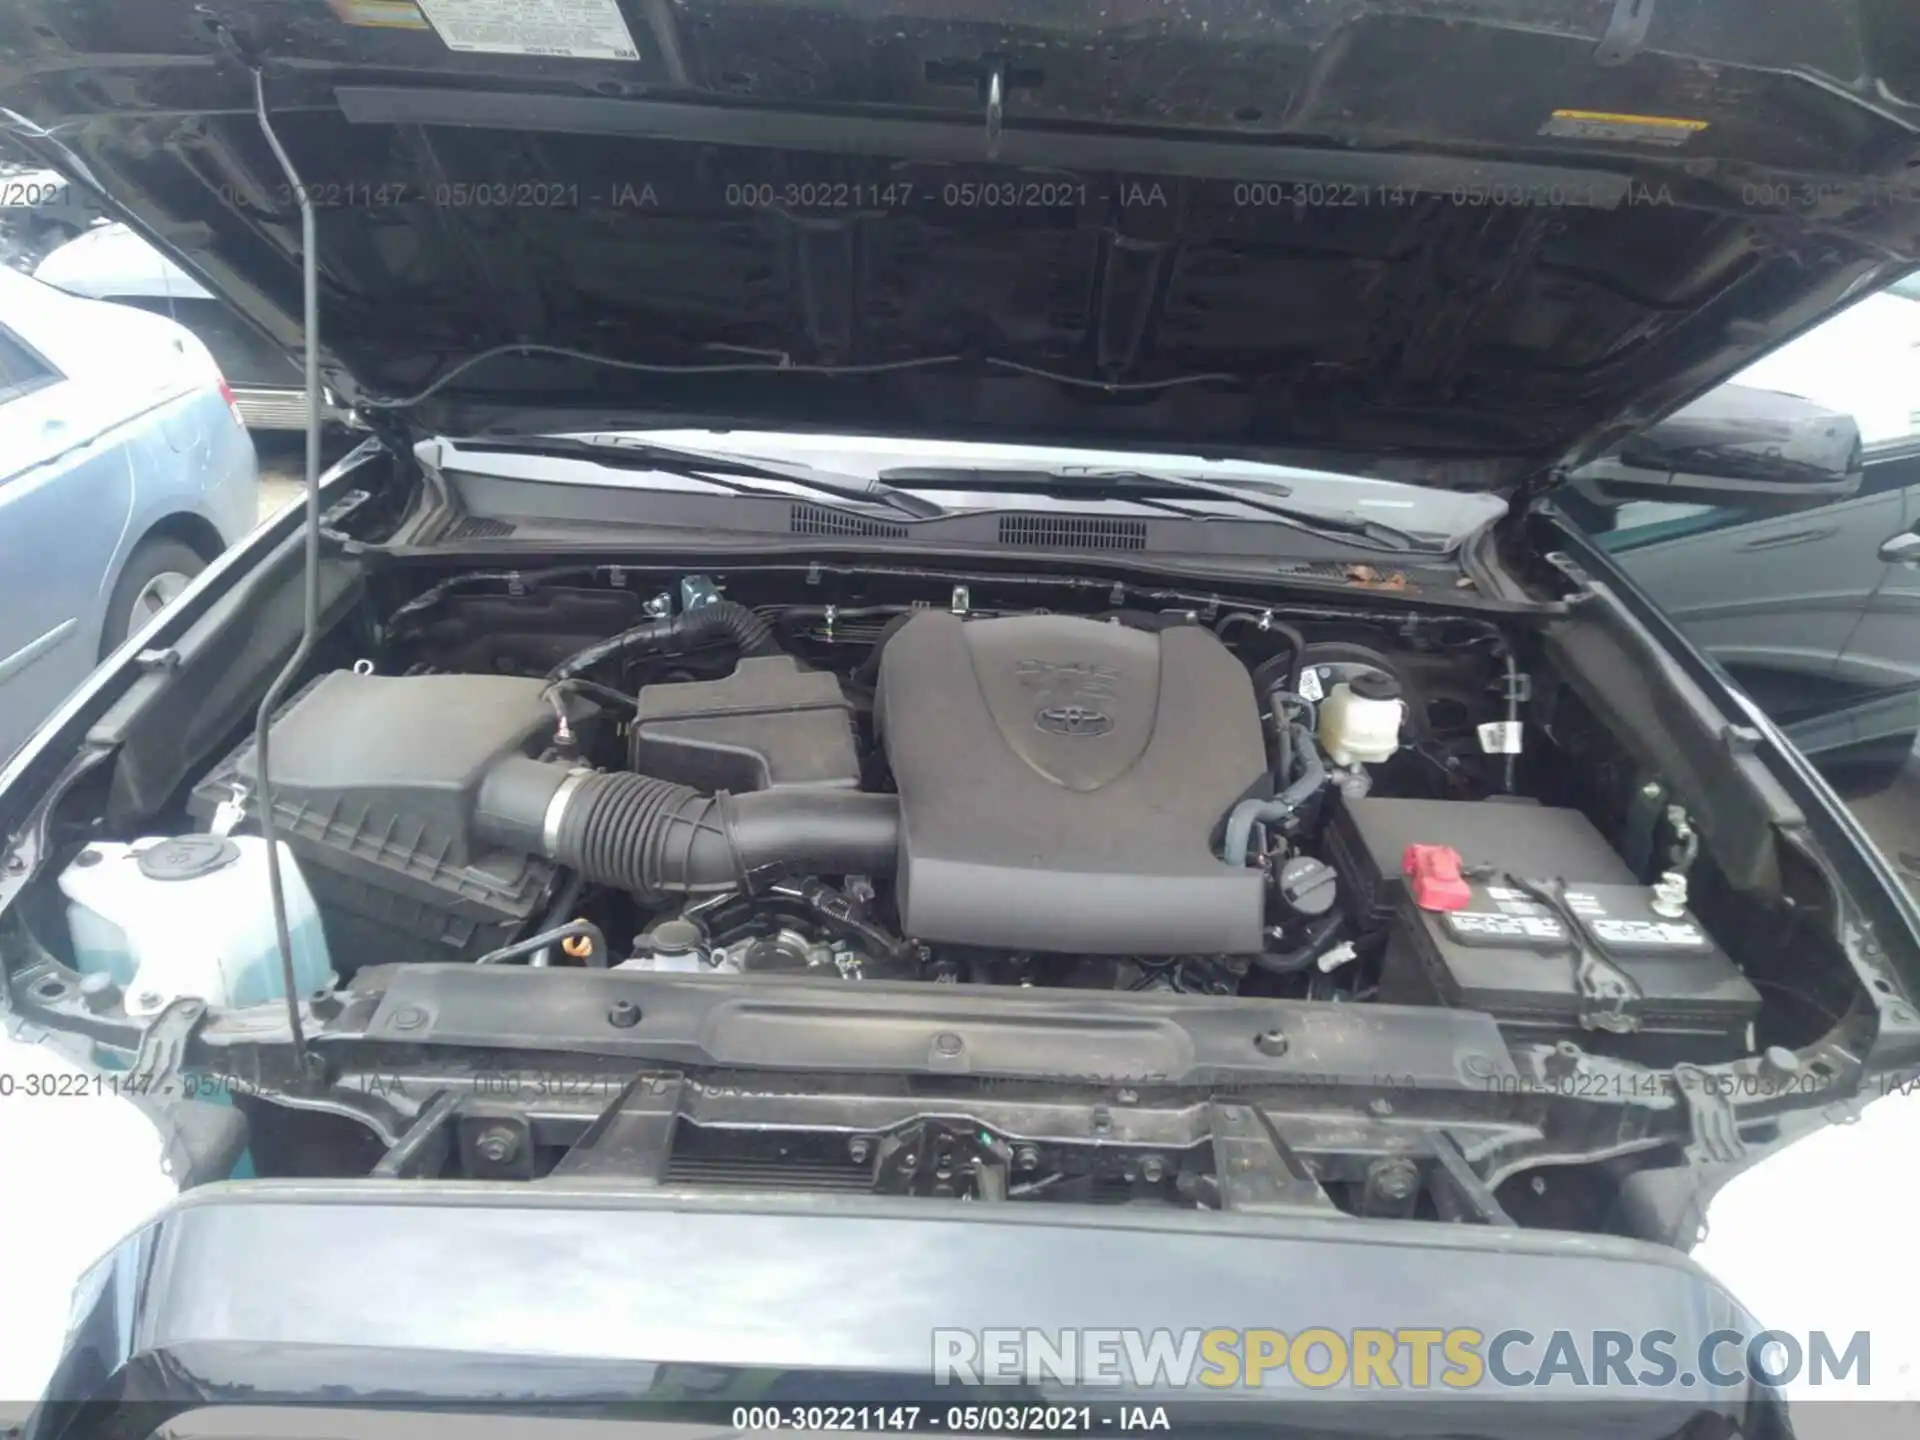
[{"x": 1433, "y": 877}]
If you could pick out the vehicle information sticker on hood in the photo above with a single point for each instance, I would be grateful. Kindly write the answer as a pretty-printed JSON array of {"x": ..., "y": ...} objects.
[
  {"x": 1668, "y": 130},
  {"x": 570, "y": 29},
  {"x": 380, "y": 14}
]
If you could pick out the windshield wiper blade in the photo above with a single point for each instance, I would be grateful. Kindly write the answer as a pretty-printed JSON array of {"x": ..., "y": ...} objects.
[
  {"x": 718, "y": 470},
  {"x": 1368, "y": 534}
]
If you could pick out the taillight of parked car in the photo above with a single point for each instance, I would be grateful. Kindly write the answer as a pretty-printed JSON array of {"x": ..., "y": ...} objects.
[{"x": 233, "y": 403}]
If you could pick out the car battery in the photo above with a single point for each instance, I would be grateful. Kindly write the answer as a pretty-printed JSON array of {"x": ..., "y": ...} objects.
[
  {"x": 1367, "y": 838},
  {"x": 1518, "y": 959},
  {"x": 1505, "y": 950}
]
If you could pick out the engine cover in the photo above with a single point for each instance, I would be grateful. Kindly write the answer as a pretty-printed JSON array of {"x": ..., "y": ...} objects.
[{"x": 1061, "y": 780}]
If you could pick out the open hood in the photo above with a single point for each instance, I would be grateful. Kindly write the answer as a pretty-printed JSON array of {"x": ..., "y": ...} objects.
[{"x": 1451, "y": 241}]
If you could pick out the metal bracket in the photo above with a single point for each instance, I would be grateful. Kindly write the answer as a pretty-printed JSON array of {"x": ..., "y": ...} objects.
[
  {"x": 158, "y": 1062},
  {"x": 343, "y": 507},
  {"x": 1255, "y": 1168},
  {"x": 422, "y": 1150},
  {"x": 943, "y": 1160},
  {"x": 1626, "y": 32},
  {"x": 633, "y": 1139},
  {"x": 1711, "y": 1117},
  {"x": 1459, "y": 1194}
]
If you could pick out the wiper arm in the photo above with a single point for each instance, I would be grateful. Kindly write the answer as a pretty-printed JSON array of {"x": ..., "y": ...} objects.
[
  {"x": 1368, "y": 534},
  {"x": 718, "y": 470}
]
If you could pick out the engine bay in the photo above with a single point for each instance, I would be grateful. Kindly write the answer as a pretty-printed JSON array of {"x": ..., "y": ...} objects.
[
  {"x": 982, "y": 883},
  {"x": 1128, "y": 799}
]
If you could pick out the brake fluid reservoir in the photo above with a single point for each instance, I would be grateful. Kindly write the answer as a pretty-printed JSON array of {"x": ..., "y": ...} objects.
[
  {"x": 191, "y": 915},
  {"x": 1360, "y": 719}
]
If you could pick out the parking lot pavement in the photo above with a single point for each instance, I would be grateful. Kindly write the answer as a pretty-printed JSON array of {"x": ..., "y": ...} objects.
[
  {"x": 283, "y": 467},
  {"x": 277, "y": 490},
  {"x": 1892, "y": 817}
]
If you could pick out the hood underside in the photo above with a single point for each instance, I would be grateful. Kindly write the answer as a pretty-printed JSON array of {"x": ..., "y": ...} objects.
[{"x": 1447, "y": 242}]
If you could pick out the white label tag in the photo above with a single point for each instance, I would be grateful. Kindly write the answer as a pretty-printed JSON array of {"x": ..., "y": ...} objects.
[
  {"x": 1529, "y": 927},
  {"x": 1649, "y": 933},
  {"x": 1310, "y": 686},
  {"x": 1500, "y": 737},
  {"x": 571, "y": 29}
]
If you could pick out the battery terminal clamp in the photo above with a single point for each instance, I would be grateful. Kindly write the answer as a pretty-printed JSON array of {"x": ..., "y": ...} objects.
[{"x": 1433, "y": 877}]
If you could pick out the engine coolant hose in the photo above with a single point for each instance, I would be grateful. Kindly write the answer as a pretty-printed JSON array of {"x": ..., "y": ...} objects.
[
  {"x": 721, "y": 620},
  {"x": 653, "y": 837},
  {"x": 1242, "y": 818}
]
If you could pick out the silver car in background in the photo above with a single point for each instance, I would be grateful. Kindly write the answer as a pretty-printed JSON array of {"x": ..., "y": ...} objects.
[
  {"x": 110, "y": 262},
  {"x": 124, "y": 469}
]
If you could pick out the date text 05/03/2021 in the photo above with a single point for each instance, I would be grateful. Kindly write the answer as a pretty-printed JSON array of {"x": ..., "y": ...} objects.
[{"x": 970, "y": 1418}]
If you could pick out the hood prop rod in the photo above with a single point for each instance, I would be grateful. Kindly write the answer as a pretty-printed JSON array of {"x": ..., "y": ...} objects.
[{"x": 309, "y": 632}]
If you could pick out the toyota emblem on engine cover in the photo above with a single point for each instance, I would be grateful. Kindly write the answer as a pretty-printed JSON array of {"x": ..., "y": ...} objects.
[{"x": 1073, "y": 720}]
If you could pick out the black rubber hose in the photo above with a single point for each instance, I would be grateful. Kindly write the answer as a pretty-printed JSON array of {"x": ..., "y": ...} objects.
[
  {"x": 721, "y": 620},
  {"x": 1278, "y": 671},
  {"x": 1304, "y": 956},
  {"x": 1241, "y": 819},
  {"x": 868, "y": 673},
  {"x": 652, "y": 837}
]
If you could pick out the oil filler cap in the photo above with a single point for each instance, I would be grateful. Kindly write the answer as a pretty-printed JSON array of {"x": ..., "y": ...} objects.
[
  {"x": 1433, "y": 877},
  {"x": 187, "y": 857}
]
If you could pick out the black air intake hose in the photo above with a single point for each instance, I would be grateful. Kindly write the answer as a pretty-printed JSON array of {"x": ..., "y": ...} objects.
[
  {"x": 720, "y": 620},
  {"x": 653, "y": 837}
]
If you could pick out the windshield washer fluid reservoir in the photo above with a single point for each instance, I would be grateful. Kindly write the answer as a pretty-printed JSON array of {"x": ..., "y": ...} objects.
[
  {"x": 191, "y": 915},
  {"x": 1360, "y": 720}
]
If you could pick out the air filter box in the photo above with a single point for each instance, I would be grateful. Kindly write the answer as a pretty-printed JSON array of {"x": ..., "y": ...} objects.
[{"x": 374, "y": 779}]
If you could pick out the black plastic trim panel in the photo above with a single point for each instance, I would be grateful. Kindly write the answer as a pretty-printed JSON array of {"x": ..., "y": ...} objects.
[{"x": 830, "y": 1026}]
